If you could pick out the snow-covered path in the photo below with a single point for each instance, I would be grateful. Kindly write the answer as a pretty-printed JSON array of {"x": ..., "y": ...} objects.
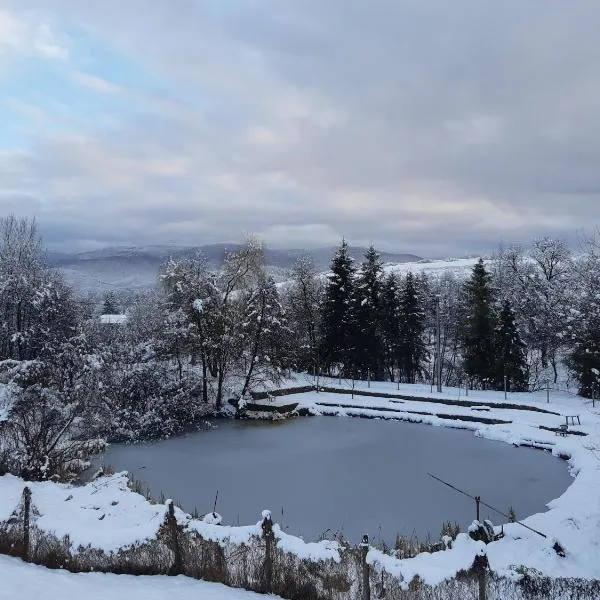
[{"x": 22, "y": 581}]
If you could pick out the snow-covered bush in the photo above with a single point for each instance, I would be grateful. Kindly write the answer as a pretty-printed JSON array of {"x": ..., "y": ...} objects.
[{"x": 41, "y": 439}]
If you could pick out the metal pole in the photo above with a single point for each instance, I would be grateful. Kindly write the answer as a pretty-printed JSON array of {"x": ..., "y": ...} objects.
[
  {"x": 368, "y": 378},
  {"x": 505, "y": 394},
  {"x": 477, "y": 503},
  {"x": 547, "y": 392}
]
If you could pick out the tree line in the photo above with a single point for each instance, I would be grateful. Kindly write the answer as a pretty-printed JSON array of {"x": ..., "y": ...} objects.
[{"x": 207, "y": 334}]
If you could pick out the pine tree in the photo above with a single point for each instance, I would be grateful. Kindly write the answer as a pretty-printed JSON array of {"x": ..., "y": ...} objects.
[
  {"x": 412, "y": 349},
  {"x": 109, "y": 306},
  {"x": 337, "y": 322},
  {"x": 478, "y": 328},
  {"x": 390, "y": 323},
  {"x": 509, "y": 351},
  {"x": 370, "y": 344}
]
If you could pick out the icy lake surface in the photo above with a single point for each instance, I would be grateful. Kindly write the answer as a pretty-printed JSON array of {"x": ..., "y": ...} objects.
[{"x": 327, "y": 474}]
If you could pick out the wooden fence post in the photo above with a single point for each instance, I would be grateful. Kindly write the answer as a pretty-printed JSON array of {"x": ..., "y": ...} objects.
[
  {"x": 481, "y": 565},
  {"x": 177, "y": 566},
  {"x": 365, "y": 569},
  {"x": 26, "y": 521},
  {"x": 269, "y": 537}
]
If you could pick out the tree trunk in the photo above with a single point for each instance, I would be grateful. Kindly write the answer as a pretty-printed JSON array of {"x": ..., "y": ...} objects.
[{"x": 204, "y": 378}]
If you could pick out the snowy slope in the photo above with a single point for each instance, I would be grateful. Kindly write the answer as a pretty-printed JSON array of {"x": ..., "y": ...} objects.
[
  {"x": 457, "y": 266},
  {"x": 29, "y": 582}
]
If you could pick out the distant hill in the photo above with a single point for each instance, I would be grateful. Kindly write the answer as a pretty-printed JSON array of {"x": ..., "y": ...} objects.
[{"x": 136, "y": 267}]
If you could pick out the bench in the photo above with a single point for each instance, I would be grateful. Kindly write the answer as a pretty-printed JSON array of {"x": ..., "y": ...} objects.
[
  {"x": 562, "y": 430},
  {"x": 572, "y": 418}
]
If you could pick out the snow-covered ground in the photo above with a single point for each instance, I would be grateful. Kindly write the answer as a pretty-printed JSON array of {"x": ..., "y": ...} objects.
[
  {"x": 457, "y": 266},
  {"x": 30, "y": 582},
  {"x": 107, "y": 515}
]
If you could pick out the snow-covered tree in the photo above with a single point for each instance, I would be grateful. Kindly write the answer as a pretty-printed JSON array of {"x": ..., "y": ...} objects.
[
  {"x": 583, "y": 321},
  {"x": 265, "y": 335},
  {"x": 509, "y": 351},
  {"x": 412, "y": 351},
  {"x": 302, "y": 299},
  {"x": 369, "y": 336},
  {"x": 338, "y": 324},
  {"x": 479, "y": 327},
  {"x": 37, "y": 307},
  {"x": 539, "y": 283},
  {"x": 188, "y": 285},
  {"x": 444, "y": 294},
  {"x": 390, "y": 323},
  {"x": 49, "y": 431},
  {"x": 110, "y": 305}
]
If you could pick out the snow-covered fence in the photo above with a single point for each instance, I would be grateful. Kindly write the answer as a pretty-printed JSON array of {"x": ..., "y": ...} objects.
[{"x": 261, "y": 558}]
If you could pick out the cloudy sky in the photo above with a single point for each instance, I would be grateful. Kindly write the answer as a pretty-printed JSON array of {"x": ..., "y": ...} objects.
[{"x": 432, "y": 127}]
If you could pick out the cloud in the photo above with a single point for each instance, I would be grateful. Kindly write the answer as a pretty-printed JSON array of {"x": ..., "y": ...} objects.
[
  {"x": 25, "y": 35},
  {"x": 95, "y": 83},
  {"x": 429, "y": 127}
]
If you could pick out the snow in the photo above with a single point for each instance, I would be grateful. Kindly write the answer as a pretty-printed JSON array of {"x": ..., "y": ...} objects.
[
  {"x": 457, "y": 266},
  {"x": 432, "y": 568},
  {"x": 30, "y": 582},
  {"x": 317, "y": 551},
  {"x": 105, "y": 513},
  {"x": 212, "y": 518},
  {"x": 113, "y": 319}
]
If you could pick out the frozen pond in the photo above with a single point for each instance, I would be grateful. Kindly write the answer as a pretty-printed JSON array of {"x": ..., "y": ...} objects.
[{"x": 340, "y": 474}]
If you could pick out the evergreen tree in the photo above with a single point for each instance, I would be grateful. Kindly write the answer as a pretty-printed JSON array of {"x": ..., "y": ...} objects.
[
  {"x": 109, "y": 306},
  {"x": 370, "y": 343},
  {"x": 390, "y": 323},
  {"x": 412, "y": 349},
  {"x": 478, "y": 328},
  {"x": 510, "y": 351},
  {"x": 337, "y": 322}
]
